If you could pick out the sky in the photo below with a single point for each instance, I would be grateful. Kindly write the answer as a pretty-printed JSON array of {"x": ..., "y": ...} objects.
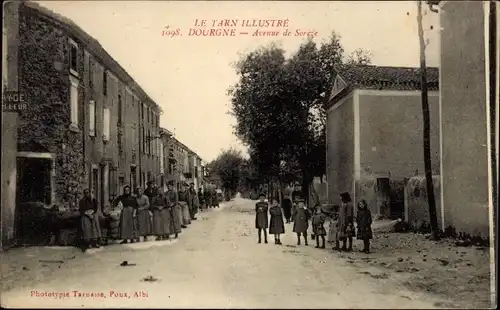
[{"x": 188, "y": 76}]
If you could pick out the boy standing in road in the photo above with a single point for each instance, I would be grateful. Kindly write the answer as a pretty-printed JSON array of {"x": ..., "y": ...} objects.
[{"x": 261, "y": 222}]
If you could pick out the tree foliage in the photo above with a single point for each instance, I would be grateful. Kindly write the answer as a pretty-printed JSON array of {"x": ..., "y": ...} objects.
[
  {"x": 278, "y": 103},
  {"x": 360, "y": 56},
  {"x": 228, "y": 166}
]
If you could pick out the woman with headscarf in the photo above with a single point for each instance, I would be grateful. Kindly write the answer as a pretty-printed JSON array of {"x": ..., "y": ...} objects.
[
  {"x": 161, "y": 216},
  {"x": 127, "y": 221},
  {"x": 143, "y": 218},
  {"x": 346, "y": 221}
]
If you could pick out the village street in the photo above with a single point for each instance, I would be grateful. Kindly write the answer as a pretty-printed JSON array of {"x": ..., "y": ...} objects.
[{"x": 215, "y": 263}]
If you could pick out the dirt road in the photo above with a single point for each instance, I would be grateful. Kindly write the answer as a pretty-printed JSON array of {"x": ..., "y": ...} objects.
[{"x": 216, "y": 263}]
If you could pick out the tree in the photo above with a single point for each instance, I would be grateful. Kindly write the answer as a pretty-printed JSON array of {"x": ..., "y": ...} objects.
[
  {"x": 360, "y": 56},
  {"x": 249, "y": 178},
  {"x": 228, "y": 166},
  {"x": 426, "y": 122},
  {"x": 279, "y": 107}
]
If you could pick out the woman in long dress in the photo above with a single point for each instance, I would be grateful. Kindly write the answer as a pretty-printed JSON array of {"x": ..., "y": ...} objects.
[
  {"x": 183, "y": 202},
  {"x": 161, "y": 218},
  {"x": 143, "y": 216},
  {"x": 175, "y": 211},
  {"x": 89, "y": 221},
  {"x": 129, "y": 207}
]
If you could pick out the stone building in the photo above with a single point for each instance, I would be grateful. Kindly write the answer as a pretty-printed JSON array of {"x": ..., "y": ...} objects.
[
  {"x": 10, "y": 39},
  {"x": 375, "y": 134},
  {"x": 89, "y": 123},
  {"x": 180, "y": 163}
]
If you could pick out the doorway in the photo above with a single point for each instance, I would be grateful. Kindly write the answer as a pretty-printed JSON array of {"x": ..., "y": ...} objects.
[
  {"x": 34, "y": 180},
  {"x": 95, "y": 185},
  {"x": 133, "y": 177}
]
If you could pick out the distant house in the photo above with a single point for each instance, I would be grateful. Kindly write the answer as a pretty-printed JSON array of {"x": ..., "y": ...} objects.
[
  {"x": 374, "y": 131},
  {"x": 469, "y": 52}
]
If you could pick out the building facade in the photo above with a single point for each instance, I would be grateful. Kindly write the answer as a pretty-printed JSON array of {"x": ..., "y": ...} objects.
[
  {"x": 374, "y": 130},
  {"x": 469, "y": 67},
  {"x": 10, "y": 39},
  {"x": 90, "y": 125},
  {"x": 180, "y": 163}
]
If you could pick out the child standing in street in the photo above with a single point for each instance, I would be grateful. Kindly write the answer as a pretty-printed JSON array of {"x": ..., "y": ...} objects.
[
  {"x": 318, "y": 222},
  {"x": 333, "y": 235},
  {"x": 261, "y": 221},
  {"x": 276, "y": 225},
  {"x": 346, "y": 221},
  {"x": 301, "y": 217},
  {"x": 364, "y": 221}
]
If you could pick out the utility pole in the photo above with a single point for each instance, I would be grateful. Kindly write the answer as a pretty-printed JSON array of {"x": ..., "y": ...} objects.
[{"x": 426, "y": 118}]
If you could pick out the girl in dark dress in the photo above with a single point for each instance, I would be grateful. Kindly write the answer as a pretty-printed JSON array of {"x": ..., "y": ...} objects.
[
  {"x": 364, "y": 221},
  {"x": 261, "y": 221},
  {"x": 287, "y": 208},
  {"x": 301, "y": 217},
  {"x": 276, "y": 225}
]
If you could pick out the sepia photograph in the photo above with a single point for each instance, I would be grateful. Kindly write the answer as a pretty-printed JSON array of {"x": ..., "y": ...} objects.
[{"x": 250, "y": 154}]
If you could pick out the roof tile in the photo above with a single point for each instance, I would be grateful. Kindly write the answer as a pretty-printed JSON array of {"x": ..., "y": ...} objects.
[{"x": 391, "y": 78}]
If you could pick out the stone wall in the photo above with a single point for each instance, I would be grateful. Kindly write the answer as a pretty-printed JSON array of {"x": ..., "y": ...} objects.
[
  {"x": 44, "y": 78},
  {"x": 391, "y": 133},
  {"x": 340, "y": 149}
]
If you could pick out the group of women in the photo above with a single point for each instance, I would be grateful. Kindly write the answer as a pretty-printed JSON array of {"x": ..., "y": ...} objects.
[{"x": 143, "y": 213}]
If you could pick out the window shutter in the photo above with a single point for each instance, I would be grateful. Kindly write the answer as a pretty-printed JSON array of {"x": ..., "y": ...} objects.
[
  {"x": 92, "y": 118},
  {"x": 106, "y": 124},
  {"x": 74, "y": 102}
]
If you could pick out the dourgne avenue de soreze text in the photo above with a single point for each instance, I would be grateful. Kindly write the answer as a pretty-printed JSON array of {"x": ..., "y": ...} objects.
[{"x": 234, "y": 27}]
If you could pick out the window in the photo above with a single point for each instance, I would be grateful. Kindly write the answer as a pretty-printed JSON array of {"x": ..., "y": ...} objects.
[
  {"x": 4, "y": 58},
  {"x": 106, "y": 125},
  {"x": 148, "y": 111},
  {"x": 143, "y": 140},
  {"x": 119, "y": 109},
  {"x": 105, "y": 82},
  {"x": 73, "y": 65},
  {"x": 92, "y": 118},
  {"x": 74, "y": 101},
  {"x": 149, "y": 141}
]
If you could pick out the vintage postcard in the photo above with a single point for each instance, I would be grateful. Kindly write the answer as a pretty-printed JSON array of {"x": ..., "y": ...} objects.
[{"x": 250, "y": 154}]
